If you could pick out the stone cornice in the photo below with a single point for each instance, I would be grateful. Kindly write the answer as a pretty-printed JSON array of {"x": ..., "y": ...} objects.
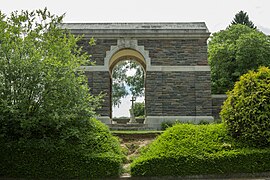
[{"x": 139, "y": 30}]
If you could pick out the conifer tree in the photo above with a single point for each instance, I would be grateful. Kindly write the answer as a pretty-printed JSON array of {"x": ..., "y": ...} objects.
[{"x": 242, "y": 18}]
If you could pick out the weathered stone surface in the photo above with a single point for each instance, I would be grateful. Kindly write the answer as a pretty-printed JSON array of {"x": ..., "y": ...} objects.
[
  {"x": 176, "y": 52},
  {"x": 178, "y": 94}
]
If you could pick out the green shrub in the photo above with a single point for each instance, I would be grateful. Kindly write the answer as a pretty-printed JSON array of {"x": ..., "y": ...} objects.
[
  {"x": 97, "y": 155},
  {"x": 246, "y": 112},
  {"x": 187, "y": 149}
]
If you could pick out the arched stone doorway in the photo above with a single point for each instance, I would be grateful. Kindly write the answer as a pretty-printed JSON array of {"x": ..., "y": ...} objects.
[
  {"x": 174, "y": 55},
  {"x": 126, "y": 49},
  {"x": 125, "y": 55}
]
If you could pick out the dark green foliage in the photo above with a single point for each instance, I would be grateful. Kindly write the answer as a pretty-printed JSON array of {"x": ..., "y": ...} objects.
[
  {"x": 139, "y": 110},
  {"x": 246, "y": 112},
  {"x": 242, "y": 18},
  {"x": 186, "y": 149},
  {"x": 233, "y": 52},
  {"x": 97, "y": 155}
]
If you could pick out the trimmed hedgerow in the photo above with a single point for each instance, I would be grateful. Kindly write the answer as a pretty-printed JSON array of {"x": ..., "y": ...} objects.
[
  {"x": 187, "y": 149},
  {"x": 246, "y": 111},
  {"x": 96, "y": 155}
]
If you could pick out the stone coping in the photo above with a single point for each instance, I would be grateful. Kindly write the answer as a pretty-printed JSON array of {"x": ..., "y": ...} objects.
[
  {"x": 132, "y": 26},
  {"x": 139, "y": 30}
]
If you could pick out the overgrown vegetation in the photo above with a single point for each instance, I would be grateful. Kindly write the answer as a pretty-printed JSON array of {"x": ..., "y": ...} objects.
[
  {"x": 246, "y": 112},
  {"x": 186, "y": 149},
  {"x": 47, "y": 128}
]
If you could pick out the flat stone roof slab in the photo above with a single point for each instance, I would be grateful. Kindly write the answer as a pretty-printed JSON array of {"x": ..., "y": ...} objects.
[{"x": 139, "y": 30}]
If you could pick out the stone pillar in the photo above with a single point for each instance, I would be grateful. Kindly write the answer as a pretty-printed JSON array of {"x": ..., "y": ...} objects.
[{"x": 99, "y": 82}]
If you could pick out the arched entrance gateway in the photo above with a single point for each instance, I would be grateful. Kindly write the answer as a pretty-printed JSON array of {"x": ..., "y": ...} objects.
[{"x": 173, "y": 55}]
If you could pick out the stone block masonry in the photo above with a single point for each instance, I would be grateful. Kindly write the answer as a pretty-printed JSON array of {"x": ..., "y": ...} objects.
[{"x": 174, "y": 55}]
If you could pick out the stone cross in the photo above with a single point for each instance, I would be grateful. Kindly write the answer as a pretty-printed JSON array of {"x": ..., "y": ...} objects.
[
  {"x": 132, "y": 117},
  {"x": 133, "y": 99}
]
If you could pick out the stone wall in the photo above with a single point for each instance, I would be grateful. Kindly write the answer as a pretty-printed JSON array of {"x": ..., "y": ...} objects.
[
  {"x": 167, "y": 93},
  {"x": 177, "y": 84},
  {"x": 217, "y": 102},
  {"x": 176, "y": 52},
  {"x": 178, "y": 94},
  {"x": 99, "y": 82},
  {"x": 97, "y": 51}
]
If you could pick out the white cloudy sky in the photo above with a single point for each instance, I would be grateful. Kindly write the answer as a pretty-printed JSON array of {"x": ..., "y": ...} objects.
[{"x": 216, "y": 13}]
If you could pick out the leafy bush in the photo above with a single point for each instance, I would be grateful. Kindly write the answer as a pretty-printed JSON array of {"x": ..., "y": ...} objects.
[
  {"x": 246, "y": 112},
  {"x": 187, "y": 149},
  {"x": 97, "y": 155}
]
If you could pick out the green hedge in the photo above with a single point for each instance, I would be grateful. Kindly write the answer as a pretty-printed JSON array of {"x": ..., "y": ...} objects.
[
  {"x": 187, "y": 149},
  {"x": 97, "y": 156},
  {"x": 246, "y": 111}
]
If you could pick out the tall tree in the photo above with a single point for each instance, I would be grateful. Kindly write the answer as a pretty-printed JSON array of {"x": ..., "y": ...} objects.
[
  {"x": 242, "y": 18},
  {"x": 235, "y": 51},
  {"x": 43, "y": 92}
]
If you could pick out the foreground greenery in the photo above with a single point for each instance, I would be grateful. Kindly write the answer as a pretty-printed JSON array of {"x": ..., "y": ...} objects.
[
  {"x": 47, "y": 128},
  {"x": 96, "y": 155},
  {"x": 187, "y": 149}
]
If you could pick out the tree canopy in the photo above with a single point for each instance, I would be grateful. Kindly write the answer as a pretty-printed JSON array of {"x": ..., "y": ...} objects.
[
  {"x": 234, "y": 51},
  {"x": 43, "y": 92},
  {"x": 242, "y": 18}
]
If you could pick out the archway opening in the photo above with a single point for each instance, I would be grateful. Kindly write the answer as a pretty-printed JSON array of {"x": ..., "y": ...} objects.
[{"x": 128, "y": 72}]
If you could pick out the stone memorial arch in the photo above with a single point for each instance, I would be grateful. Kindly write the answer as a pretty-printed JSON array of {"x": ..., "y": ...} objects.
[{"x": 173, "y": 55}]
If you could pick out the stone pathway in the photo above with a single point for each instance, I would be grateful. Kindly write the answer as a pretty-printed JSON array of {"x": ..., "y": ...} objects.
[{"x": 133, "y": 144}]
